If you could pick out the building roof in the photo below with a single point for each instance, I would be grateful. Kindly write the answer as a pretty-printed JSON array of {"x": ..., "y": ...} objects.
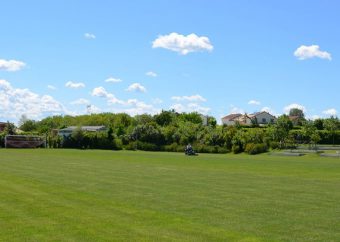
[
  {"x": 258, "y": 113},
  {"x": 84, "y": 128},
  {"x": 232, "y": 116}
]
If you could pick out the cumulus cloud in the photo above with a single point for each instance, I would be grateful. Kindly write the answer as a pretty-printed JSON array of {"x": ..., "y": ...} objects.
[
  {"x": 16, "y": 102},
  {"x": 330, "y": 112},
  {"x": 74, "y": 85},
  {"x": 136, "y": 87},
  {"x": 193, "y": 98},
  {"x": 139, "y": 107},
  {"x": 307, "y": 52},
  {"x": 234, "y": 109},
  {"x": 151, "y": 74},
  {"x": 113, "y": 80},
  {"x": 51, "y": 87},
  {"x": 80, "y": 101},
  {"x": 313, "y": 117},
  {"x": 267, "y": 109},
  {"x": 89, "y": 36},
  {"x": 294, "y": 105},
  {"x": 11, "y": 65},
  {"x": 254, "y": 102},
  {"x": 183, "y": 44},
  {"x": 93, "y": 109},
  {"x": 157, "y": 101},
  {"x": 101, "y": 92},
  {"x": 190, "y": 107}
]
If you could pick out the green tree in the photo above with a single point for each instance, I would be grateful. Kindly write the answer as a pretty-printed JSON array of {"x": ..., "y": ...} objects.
[
  {"x": 28, "y": 125},
  {"x": 296, "y": 112},
  {"x": 280, "y": 130},
  {"x": 164, "y": 118},
  {"x": 331, "y": 125},
  {"x": 309, "y": 133},
  {"x": 10, "y": 129}
]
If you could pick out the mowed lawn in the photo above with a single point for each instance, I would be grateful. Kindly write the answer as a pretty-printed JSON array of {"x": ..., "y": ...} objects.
[{"x": 88, "y": 195}]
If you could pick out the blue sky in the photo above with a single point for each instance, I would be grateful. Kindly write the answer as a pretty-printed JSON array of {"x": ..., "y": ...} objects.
[{"x": 214, "y": 57}]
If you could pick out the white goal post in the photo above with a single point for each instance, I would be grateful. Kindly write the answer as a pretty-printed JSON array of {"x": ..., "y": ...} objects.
[{"x": 24, "y": 141}]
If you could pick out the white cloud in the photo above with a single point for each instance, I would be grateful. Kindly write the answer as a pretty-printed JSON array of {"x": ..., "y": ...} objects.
[
  {"x": 151, "y": 73},
  {"x": 330, "y": 112},
  {"x": 113, "y": 80},
  {"x": 11, "y": 65},
  {"x": 191, "y": 107},
  {"x": 183, "y": 44},
  {"x": 16, "y": 102},
  {"x": 267, "y": 109},
  {"x": 313, "y": 117},
  {"x": 306, "y": 52},
  {"x": 101, "y": 92},
  {"x": 254, "y": 102},
  {"x": 134, "y": 107},
  {"x": 89, "y": 36},
  {"x": 136, "y": 87},
  {"x": 93, "y": 109},
  {"x": 294, "y": 105},
  {"x": 234, "y": 109},
  {"x": 51, "y": 87},
  {"x": 193, "y": 98},
  {"x": 80, "y": 101},
  {"x": 157, "y": 101},
  {"x": 74, "y": 85}
]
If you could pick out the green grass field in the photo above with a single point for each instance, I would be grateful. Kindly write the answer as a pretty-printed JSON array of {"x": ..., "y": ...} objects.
[{"x": 77, "y": 195}]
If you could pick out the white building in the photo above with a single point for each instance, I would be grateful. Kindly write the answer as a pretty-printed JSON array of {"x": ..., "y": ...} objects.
[{"x": 260, "y": 118}]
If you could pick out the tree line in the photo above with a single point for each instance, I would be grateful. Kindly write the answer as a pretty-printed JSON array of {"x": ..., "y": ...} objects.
[{"x": 172, "y": 131}]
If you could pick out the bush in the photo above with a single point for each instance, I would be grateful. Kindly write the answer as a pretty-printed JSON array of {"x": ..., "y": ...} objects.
[
  {"x": 130, "y": 146},
  {"x": 117, "y": 144},
  {"x": 138, "y": 145},
  {"x": 222, "y": 150},
  {"x": 274, "y": 145},
  {"x": 236, "y": 149},
  {"x": 253, "y": 149},
  {"x": 174, "y": 147},
  {"x": 201, "y": 148}
]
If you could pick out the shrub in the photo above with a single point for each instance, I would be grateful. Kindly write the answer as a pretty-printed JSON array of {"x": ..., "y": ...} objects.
[
  {"x": 147, "y": 146},
  {"x": 236, "y": 149},
  {"x": 274, "y": 145},
  {"x": 174, "y": 147},
  {"x": 254, "y": 149},
  {"x": 222, "y": 150},
  {"x": 130, "y": 146}
]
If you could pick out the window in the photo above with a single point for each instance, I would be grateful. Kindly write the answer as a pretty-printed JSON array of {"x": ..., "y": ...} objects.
[{"x": 264, "y": 120}]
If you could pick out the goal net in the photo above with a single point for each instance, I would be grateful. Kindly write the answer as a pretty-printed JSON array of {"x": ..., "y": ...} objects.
[{"x": 24, "y": 141}]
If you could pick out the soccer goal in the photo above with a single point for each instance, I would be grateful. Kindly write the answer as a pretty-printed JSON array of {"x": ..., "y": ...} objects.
[{"x": 24, "y": 141}]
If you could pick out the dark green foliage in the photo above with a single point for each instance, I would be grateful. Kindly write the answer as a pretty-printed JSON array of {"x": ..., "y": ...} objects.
[
  {"x": 236, "y": 149},
  {"x": 28, "y": 125},
  {"x": 296, "y": 112},
  {"x": 165, "y": 118},
  {"x": 253, "y": 149}
]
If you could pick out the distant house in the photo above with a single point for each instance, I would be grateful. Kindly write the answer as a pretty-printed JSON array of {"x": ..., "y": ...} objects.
[
  {"x": 68, "y": 131},
  {"x": 2, "y": 126},
  {"x": 231, "y": 119},
  {"x": 260, "y": 118}
]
